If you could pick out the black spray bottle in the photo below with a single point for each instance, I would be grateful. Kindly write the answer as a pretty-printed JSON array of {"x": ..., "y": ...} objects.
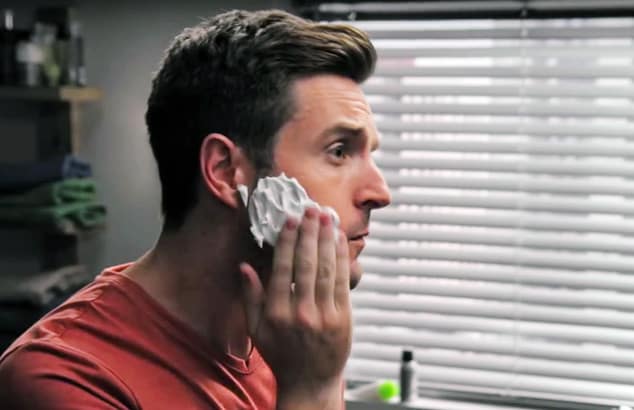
[{"x": 408, "y": 385}]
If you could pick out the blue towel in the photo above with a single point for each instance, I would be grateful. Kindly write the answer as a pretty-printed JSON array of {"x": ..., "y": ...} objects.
[{"x": 23, "y": 176}]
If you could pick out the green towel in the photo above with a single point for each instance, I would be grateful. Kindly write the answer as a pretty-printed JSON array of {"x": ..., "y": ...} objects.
[
  {"x": 72, "y": 190},
  {"x": 83, "y": 215}
]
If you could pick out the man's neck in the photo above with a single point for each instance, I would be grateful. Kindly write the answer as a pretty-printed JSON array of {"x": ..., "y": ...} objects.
[{"x": 194, "y": 275}]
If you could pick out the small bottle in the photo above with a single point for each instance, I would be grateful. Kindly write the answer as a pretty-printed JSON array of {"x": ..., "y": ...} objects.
[
  {"x": 408, "y": 385},
  {"x": 30, "y": 59},
  {"x": 45, "y": 36},
  {"x": 76, "y": 71}
]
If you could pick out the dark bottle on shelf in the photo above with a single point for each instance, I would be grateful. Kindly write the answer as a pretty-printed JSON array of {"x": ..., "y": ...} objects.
[{"x": 76, "y": 67}]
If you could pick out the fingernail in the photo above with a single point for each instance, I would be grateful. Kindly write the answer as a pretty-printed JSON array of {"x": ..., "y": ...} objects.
[
  {"x": 324, "y": 219},
  {"x": 291, "y": 223},
  {"x": 243, "y": 276},
  {"x": 310, "y": 213}
]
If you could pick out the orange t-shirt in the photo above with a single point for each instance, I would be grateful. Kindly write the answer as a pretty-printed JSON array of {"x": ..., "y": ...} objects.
[{"x": 111, "y": 346}]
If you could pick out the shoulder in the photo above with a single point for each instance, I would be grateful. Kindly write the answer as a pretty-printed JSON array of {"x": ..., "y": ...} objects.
[{"x": 48, "y": 374}]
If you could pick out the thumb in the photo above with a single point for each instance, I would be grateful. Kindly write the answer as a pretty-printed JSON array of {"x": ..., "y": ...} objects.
[{"x": 253, "y": 296}]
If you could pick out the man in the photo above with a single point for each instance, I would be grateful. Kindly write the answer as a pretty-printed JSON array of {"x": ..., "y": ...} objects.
[{"x": 207, "y": 319}]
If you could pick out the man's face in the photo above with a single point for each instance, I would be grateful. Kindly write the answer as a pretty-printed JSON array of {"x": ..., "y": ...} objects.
[{"x": 327, "y": 146}]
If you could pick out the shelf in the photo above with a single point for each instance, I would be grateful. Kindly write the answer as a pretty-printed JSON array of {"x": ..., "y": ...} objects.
[
  {"x": 73, "y": 96},
  {"x": 64, "y": 93},
  {"x": 64, "y": 228}
]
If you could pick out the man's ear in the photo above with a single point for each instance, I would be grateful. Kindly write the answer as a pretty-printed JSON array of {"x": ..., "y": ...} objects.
[{"x": 223, "y": 166}]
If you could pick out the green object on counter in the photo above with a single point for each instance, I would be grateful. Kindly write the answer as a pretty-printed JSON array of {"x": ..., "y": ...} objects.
[
  {"x": 67, "y": 191},
  {"x": 378, "y": 391},
  {"x": 388, "y": 390}
]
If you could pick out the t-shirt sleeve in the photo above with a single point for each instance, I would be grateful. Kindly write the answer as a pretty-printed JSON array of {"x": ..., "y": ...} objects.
[{"x": 45, "y": 376}]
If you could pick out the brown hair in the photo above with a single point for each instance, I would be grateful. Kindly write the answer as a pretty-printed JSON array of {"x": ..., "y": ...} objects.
[{"x": 231, "y": 75}]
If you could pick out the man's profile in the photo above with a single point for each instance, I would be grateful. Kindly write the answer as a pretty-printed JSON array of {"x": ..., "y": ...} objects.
[{"x": 207, "y": 318}]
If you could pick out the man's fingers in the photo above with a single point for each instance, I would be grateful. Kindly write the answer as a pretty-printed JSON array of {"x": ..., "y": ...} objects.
[
  {"x": 305, "y": 260},
  {"x": 253, "y": 296},
  {"x": 327, "y": 269},
  {"x": 342, "y": 279},
  {"x": 279, "y": 286}
]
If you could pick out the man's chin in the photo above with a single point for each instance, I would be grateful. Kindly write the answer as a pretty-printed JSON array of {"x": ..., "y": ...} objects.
[{"x": 356, "y": 271}]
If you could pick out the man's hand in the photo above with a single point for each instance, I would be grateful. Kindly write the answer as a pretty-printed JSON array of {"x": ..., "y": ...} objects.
[{"x": 303, "y": 331}]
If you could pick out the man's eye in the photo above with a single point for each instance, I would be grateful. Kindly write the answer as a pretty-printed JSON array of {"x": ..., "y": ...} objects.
[{"x": 338, "y": 150}]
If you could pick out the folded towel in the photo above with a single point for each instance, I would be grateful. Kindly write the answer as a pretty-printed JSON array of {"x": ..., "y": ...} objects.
[
  {"x": 54, "y": 193},
  {"x": 25, "y": 299},
  {"x": 84, "y": 215},
  {"x": 42, "y": 288},
  {"x": 23, "y": 176}
]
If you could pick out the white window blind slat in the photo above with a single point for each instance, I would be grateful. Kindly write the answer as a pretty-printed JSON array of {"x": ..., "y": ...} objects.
[
  {"x": 570, "y": 90},
  {"x": 589, "y": 71},
  {"x": 481, "y": 341},
  {"x": 579, "y": 129},
  {"x": 517, "y": 201},
  {"x": 502, "y": 292},
  {"x": 514, "y": 164},
  {"x": 511, "y": 255},
  {"x": 497, "y": 182},
  {"x": 605, "y": 148},
  {"x": 509, "y": 219},
  {"x": 413, "y": 49},
  {"x": 535, "y": 109},
  {"x": 513, "y": 31},
  {"x": 507, "y": 257},
  {"x": 498, "y": 237},
  {"x": 502, "y": 274}
]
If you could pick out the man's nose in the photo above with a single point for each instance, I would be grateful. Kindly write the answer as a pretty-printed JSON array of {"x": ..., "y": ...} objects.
[{"x": 374, "y": 193}]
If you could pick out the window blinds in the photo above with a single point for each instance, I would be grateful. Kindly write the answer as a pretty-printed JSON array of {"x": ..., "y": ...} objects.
[{"x": 507, "y": 258}]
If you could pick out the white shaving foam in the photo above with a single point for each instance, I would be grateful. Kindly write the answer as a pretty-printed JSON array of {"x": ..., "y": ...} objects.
[{"x": 272, "y": 201}]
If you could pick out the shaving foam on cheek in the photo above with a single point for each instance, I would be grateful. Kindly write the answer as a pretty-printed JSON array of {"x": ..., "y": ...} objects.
[{"x": 273, "y": 199}]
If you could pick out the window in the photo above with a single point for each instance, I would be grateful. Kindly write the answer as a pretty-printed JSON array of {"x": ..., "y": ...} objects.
[{"x": 507, "y": 259}]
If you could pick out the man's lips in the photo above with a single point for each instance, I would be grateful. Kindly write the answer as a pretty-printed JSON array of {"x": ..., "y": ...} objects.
[
  {"x": 357, "y": 243},
  {"x": 358, "y": 237}
]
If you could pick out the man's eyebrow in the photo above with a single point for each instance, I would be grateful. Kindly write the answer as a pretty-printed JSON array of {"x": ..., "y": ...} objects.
[{"x": 350, "y": 131}]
